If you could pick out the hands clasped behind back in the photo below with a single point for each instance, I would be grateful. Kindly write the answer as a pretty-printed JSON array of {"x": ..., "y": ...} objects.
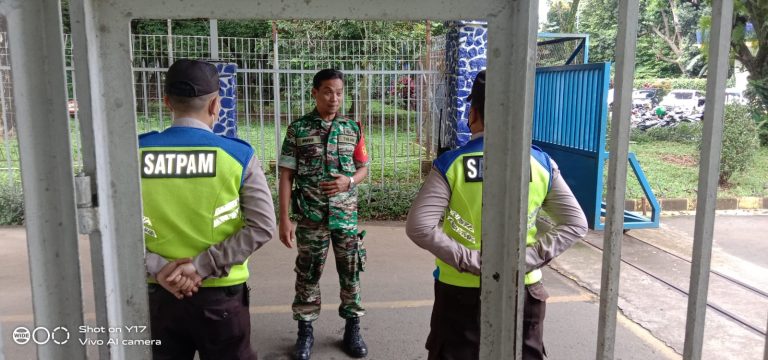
[{"x": 180, "y": 278}]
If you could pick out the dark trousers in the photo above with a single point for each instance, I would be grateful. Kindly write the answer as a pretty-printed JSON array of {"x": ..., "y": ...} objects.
[
  {"x": 214, "y": 322},
  {"x": 455, "y": 324}
]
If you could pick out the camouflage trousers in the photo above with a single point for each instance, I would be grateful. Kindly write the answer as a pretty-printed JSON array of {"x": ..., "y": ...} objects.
[{"x": 313, "y": 240}]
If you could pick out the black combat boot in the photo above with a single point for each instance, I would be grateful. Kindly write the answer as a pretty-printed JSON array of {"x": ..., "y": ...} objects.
[
  {"x": 304, "y": 342},
  {"x": 354, "y": 345}
]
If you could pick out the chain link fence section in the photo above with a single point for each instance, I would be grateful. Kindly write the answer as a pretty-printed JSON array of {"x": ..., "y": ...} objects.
[
  {"x": 9, "y": 148},
  {"x": 561, "y": 49}
]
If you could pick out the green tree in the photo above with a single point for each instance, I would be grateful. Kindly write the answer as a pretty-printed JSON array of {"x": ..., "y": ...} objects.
[
  {"x": 598, "y": 19},
  {"x": 750, "y": 47},
  {"x": 669, "y": 28},
  {"x": 561, "y": 16}
]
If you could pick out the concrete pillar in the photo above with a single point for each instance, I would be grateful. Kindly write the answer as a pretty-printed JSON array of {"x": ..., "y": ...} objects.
[{"x": 466, "y": 43}]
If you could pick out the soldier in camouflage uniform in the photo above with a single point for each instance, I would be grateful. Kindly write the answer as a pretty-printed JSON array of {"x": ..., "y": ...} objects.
[{"x": 325, "y": 154}]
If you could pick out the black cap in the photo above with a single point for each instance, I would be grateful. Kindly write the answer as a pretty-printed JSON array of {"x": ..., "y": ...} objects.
[
  {"x": 478, "y": 87},
  {"x": 191, "y": 78}
]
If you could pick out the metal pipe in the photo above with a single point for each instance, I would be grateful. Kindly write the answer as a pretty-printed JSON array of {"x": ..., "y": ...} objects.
[
  {"x": 213, "y": 42},
  {"x": 617, "y": 174},
  {"x": 505, "y": 189},
  {"x": 276, "y": 95},
  {"x": 46, "y": 169},
  {"x": 88, "y": 151},
  {"x": 118, "y": 187},
  {"x": 709, "y": 171}
]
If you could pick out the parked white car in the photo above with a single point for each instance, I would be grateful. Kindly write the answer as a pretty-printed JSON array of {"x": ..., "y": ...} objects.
[
  {"x": 735, "y": 96},
  {"x": 683, "y": 99}
]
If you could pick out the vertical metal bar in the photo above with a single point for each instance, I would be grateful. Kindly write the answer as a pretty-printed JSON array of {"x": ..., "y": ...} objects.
[
  {"x": 382, "y": 153},
  {"x": 261, "y": 116},
  {"x": 119, "y": 202},
  {"x": 709, "y": 169},
  {"x": 213, "y": 42},
  {"x": 370, "y": 130},
  {"x": 344, "y": 94},
  {"x": 505, "y": 192},
  {"x": 145, "y": 99},
  {"x": 303, "y": 90},
  {"x": 158, "y": 91},
  {"x": 765, "y": 351},
  {"x": 6, "y": 138},
  {"x": 276, "y": 94},
  {"x": 395, "y": 150},
  {"x": 408, "y": 129},
  {"x": 586, "y": 48},
  {"x": 88, "y": 150},
  {"x": 46, "y": 169},
  {"x": 169, "y": 40},
  {"x": 356, "y": 115},
  {"x": 626, "y": 42},
  {"x": 247, "y": 106},
  {"x": 419, "y": 121}
]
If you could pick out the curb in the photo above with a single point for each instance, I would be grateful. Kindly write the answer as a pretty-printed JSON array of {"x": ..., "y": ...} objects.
[{"x": 681, "y": 204}]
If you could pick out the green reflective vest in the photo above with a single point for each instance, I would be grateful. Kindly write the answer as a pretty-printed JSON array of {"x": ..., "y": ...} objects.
[
  {"x": 463, "y": 170},
  {"x": 190, "y": 185}
]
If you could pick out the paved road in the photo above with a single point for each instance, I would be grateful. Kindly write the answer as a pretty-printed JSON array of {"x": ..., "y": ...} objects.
[
  {"x": 397, "y": 290},
  {"x": 745, "y": 237}
]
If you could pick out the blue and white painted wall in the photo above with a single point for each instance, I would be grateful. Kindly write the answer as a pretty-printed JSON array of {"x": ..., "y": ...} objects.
[
  {"x": 465, "y": 51},
  {"x": 227, "y": 123}
]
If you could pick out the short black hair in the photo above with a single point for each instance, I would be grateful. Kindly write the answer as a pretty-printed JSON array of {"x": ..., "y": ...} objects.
[
  {"x": 326, "y": 74},
  {"x": 186, "y": 105},
  {"x": 477, "y": 96}
]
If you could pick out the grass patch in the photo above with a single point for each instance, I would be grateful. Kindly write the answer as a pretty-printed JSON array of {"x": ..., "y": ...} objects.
[{"x": 673, "y": 172}]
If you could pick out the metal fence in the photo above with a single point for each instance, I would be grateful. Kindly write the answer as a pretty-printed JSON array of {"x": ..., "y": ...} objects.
[
  {"x": 394, "y": 88},
  {"x": 389, "y": 86}
]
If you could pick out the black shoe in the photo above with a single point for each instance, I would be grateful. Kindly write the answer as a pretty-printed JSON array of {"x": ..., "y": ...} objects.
[
  {"x": 304, "y": 342},
  {"x": 354, "y": 345}
]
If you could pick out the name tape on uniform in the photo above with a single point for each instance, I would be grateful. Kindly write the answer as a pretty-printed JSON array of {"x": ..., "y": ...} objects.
[
  {"x": 347, "y": 139},
  {"x": 309, "y": 140},
  {"x": 473, "y": 168},
  {"x": 178, "y": 164}
]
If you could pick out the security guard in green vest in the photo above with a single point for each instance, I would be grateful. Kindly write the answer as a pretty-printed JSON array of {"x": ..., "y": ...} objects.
[
  {"x": 207, "y": 208},
  {"x": 454, "y": 190}
]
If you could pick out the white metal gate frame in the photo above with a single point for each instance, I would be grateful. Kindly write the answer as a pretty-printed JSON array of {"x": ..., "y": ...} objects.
[{"x": 101, "y": 37}]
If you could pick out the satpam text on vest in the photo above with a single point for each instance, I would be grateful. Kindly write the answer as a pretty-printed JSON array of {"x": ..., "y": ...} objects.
[{"x": 157, "y": 163}]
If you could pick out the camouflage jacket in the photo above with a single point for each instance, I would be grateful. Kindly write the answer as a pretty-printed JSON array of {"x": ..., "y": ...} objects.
[{"x": 315, "y": 149}]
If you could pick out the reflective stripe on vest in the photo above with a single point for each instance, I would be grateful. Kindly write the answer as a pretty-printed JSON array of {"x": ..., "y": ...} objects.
[
  {"x": 463, "y": 218},
  {"x": 191, "y": 201}
]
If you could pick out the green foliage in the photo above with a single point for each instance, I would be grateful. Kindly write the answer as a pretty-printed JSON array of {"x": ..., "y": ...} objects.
[
  {"x": 667, "y": 85},
  {"x": 750, "y": 48},
  {"x": 668, "y": 35},
  {"x": 598, "y": 18},
  {"x": 649, "y": 65},
  {"x": 11, "y": 204},
  {"x": 761, "y": 122},
  {"x": 686, "y": 133},
  {"x": 740, "y": 142},
  {"x": 386, "y": 201},
  {"x": 561, "y": 16}
]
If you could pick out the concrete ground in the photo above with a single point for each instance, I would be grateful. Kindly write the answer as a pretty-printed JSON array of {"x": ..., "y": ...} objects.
[{"x": 397, "y": 291}]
